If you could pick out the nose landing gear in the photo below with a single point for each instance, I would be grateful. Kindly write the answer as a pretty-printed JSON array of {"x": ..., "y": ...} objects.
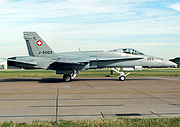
[{"x": 122, "y": 76}]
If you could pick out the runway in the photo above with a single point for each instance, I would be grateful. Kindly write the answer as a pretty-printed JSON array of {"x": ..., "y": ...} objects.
[{"x": 30, "y": 99}]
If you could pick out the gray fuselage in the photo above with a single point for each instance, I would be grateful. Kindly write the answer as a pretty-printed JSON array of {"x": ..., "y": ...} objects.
[{"x": 95, "y": 59}]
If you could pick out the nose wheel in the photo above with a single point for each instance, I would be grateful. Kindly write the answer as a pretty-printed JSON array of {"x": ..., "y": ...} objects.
[{"x": 122, "y": 78}]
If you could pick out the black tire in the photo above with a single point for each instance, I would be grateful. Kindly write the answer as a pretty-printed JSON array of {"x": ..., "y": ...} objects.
[
  {"x": 122, "y": 78},
  {"x": 67, "y": 78}
]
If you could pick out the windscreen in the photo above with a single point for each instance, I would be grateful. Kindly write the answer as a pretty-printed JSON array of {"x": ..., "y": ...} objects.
[{"x": 128, "y": 51}]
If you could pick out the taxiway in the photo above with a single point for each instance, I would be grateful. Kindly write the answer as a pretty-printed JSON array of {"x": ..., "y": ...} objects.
[{"x": 30, "y": 99}]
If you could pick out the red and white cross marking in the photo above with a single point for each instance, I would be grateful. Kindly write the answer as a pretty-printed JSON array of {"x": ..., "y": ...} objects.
[{"x": 39, "y": 42}]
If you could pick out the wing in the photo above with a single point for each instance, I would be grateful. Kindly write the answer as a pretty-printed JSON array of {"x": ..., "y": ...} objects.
[
  {"x": 67, "y": 66},
  {"x": 60, "y": 65}
]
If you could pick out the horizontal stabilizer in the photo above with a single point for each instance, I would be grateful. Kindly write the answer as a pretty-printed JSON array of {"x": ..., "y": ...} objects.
[{"x": 22, "y": 62}]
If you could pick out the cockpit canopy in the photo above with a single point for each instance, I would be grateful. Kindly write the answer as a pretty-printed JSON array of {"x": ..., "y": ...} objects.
[{"x": 128, "y": 51}]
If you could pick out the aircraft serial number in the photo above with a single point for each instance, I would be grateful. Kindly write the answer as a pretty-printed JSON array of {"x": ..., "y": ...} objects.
[
  {"x": 45, "y": 52},
  {"x": 150, "y": 58}
]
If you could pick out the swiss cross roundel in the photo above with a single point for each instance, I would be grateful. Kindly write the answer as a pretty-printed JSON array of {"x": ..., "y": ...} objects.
[{"x": 39, "y": 42}]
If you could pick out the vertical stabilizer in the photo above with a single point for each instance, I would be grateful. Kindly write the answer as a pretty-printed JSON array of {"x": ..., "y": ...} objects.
[{"x": 36, "y": 46}]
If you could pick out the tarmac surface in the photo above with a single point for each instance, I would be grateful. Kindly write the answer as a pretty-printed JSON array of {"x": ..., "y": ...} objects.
[{"x": 30, "y": 99}]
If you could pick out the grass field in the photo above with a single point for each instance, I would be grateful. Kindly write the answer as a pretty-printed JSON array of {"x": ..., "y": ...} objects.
[
  {"x": 88, "y": 73},
  {"x": 122, "y": 122}
]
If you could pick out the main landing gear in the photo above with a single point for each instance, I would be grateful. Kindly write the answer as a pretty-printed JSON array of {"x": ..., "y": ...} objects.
[
  {"x": 70, "y": 76},
  {"x": 122, "y": 76},
  {"x": 67, "y": 77}
]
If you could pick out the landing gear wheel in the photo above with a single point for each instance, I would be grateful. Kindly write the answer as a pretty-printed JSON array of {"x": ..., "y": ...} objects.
[
  {"x": 67, "y": 78},
  {"x": 122, "y": 78}
]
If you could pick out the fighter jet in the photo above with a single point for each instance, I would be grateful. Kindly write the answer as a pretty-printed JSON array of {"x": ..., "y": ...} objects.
[{"x": 41, "y": 56}]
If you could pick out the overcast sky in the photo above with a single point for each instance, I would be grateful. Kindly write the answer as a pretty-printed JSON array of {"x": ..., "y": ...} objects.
[{"x": 151, "y": 26}]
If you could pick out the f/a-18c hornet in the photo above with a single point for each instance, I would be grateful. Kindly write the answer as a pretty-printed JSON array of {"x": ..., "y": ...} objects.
[{"x": 41, "y": 56}]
